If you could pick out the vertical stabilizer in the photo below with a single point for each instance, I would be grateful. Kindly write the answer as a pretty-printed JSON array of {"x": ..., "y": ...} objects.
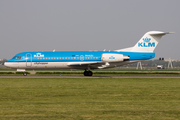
[{"x": 148, "y": 42}]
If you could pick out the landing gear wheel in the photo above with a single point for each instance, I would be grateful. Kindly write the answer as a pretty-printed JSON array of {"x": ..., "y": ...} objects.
[
  {"x": 85, "y": 73},
  {"x": 88, "y": 73},
  {"x": 25, "y": 74}
]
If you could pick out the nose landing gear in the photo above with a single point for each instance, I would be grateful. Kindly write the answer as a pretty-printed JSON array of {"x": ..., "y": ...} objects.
[
  {"x": 25, "y": 74},
  {"x": 88, "y": 73}
]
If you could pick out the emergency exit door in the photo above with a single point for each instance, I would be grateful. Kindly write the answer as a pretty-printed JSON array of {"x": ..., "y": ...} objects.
[{"x": 28, "y": 59}]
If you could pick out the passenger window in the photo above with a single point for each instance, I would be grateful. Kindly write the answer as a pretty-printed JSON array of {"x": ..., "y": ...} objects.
[
  {"x": 68, "y": 57},
  {"x": 65, "y": 57},
  {"x": 62, "y": 57},
  {"x": 57, "y": 57},
  {"x": 77, "y": 57},
  {"x": 74, "y": 57}
]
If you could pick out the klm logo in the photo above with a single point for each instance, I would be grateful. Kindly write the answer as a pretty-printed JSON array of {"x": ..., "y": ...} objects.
[
  {"x": 38, "y": 55},
  {"x": 146, "y": 39},
  {"x": 111, "y": 57},
  {"x": 146, "y": 43}
]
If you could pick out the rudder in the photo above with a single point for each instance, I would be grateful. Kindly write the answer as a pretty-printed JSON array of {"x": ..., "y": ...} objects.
[{"x": 148, "y": 42}]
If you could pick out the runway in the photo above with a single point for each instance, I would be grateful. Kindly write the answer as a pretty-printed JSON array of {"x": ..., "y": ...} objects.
[{"x": 89, "y": 76}]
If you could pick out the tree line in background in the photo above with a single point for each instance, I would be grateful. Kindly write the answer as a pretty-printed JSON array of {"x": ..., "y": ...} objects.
[{"x": 2, "y": 61}]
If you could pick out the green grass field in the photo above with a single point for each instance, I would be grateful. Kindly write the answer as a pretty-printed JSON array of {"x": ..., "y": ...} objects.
[{"x": 90, "y": 98}]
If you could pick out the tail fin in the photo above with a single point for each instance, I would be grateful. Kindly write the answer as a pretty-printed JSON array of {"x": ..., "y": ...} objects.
[{"x": 148, "y": 42}]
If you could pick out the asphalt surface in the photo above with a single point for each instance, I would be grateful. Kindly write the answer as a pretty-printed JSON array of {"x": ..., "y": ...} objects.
[
  {"x": 89, "y": 76},
  {"x": 34, "y": 72}
]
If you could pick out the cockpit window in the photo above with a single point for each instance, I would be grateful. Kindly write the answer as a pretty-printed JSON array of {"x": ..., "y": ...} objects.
[{"x": 16, "y": 57}]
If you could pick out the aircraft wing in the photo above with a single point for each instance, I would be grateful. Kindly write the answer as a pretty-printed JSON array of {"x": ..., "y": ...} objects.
[{"x": 84, "y": 63}]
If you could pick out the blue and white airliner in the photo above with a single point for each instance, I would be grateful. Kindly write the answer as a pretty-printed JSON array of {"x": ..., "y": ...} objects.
[{"x": 87, "y": 60}]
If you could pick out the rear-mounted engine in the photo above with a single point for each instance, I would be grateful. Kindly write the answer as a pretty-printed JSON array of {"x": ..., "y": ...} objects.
[{"x": 114, "y": 57}]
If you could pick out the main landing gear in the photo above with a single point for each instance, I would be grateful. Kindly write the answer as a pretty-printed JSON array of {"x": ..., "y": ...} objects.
[{"x": 88, "y": 73}]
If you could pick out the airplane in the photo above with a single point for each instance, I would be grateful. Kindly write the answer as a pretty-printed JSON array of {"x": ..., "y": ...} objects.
[{"x": 87, "y": 60}]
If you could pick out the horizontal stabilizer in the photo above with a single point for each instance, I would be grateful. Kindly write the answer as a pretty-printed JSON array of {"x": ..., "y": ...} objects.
[{"x": 160, "y": 33}]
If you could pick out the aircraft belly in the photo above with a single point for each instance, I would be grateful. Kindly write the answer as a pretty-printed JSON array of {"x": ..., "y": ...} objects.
[
  {"x": 62, "y": 65},
  {"x": 43, "y": 65},
  {"x": 50, "y": 65}
]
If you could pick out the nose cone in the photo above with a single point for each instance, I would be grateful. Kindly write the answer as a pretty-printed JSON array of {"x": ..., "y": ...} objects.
[
  {"x": 6, "y": 64},
  {"x": 11, "y": 64}
]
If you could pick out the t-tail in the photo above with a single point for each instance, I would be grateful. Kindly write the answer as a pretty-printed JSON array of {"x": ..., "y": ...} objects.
[{"x": 147, "y": 43}]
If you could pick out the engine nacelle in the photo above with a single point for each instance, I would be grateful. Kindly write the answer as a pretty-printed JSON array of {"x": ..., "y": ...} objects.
[{"x": 114, "y": 57}]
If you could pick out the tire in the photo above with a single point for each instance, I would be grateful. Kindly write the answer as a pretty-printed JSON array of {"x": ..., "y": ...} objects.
[
  {"x": 85, "y": 73},
  {"x": 90, "y": 73},
  {"x": 25, "y": 74}
]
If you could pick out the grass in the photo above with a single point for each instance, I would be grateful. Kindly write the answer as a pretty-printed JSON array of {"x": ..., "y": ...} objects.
[{"x": 89, "y": 98}]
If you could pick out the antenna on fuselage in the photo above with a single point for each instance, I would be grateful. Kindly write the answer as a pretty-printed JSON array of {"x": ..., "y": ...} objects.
[{"x": 54, "y": 50}]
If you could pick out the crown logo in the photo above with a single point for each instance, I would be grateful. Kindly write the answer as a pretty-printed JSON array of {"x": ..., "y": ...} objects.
[{"x": 146, "y": 39}]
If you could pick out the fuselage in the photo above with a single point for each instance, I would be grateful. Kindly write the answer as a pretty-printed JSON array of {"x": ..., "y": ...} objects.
[
  {"x": 67, "y": 59},
  {"x": 88, "y": 60}
]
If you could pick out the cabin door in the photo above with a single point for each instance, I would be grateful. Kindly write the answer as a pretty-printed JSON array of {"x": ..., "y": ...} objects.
[{"x": 28, "y": 60}]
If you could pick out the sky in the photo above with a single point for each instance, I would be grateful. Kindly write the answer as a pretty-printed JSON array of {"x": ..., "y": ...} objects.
[{"x": 80, "y": 25}]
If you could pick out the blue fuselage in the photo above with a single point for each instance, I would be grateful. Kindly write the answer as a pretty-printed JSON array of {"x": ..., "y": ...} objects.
[
  {"x": 74, "y": 59},
  {"x": 74, "y": 56}
]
